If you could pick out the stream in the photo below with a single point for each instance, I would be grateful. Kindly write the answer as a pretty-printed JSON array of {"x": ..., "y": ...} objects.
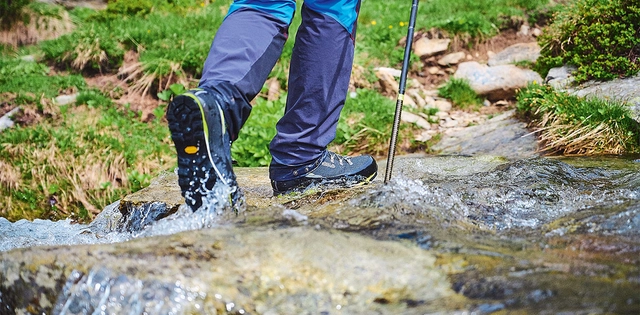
[{"x": 447, "y": 235}]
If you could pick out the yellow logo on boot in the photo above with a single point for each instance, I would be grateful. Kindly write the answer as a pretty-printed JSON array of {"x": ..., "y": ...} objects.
[{"x": 191, "y": 149}]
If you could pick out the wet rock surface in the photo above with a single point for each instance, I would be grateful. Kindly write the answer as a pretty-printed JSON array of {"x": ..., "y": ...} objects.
[
  {"x": 447, "y": 234},
  {"x": 625, "y": 90},
  {"x": 503, "y": 135}
]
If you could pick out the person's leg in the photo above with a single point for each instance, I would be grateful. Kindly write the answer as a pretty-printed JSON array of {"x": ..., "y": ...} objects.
[
  {"x": 204, "y": 121},
  {"x": 318, "y": 84},
  {"x": 243, "y": 52}
]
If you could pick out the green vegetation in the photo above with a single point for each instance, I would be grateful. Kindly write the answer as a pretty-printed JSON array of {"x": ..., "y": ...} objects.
[
  {"x": 600, "y": 37},
  {"x": 378, "y": 34},
  {"x": 358, "y": 131},
  {"x": 11, "y": 11},
  {"x": 252, "y": 146},
  {"x": 84, "y": 156},
  {"x": 72, "y": 160},
  {"x": 461, "y": 94},
  {"x": 570, "y": 125}
]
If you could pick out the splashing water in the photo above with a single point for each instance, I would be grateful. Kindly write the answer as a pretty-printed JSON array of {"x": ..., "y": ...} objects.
[
  {"x": 522, "y": 194},
  {"x": 106, "y": 228}
]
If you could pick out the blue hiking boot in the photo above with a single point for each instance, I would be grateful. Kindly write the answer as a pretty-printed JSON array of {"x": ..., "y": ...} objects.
[
  {"x": 203, "y": 145},
  {"x": 329, "y": 169}
]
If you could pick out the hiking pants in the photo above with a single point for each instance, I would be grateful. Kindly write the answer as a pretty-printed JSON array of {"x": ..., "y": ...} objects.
[{"x": 246, "y": 48}]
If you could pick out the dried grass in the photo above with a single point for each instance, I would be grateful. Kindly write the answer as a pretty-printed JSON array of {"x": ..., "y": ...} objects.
[
  {"x": 87, "y": 53},
  {"x": 84, "y": 177},
  {"x": 558, "y": 137},
  {"x": 9, "y": 176},
  {"x": 143, "y": 79}
]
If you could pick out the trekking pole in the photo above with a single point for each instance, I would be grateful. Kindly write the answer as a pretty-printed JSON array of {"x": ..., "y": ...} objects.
[{"x": 403, "y": 81}]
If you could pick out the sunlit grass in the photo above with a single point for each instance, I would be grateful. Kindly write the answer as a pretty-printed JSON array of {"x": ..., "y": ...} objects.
[
  {"x": 566, "y": 124},
  {"x": 72, "y": 160},
  {"x": 75, "y": 165}
]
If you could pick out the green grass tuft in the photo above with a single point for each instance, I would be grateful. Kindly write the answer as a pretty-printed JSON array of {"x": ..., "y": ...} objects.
[
  {"x": 567, "y": 124},
  {"x": 460, "y": 93}
]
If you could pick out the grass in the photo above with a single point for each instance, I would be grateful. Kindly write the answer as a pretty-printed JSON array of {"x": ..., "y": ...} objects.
[
  {"x": 379, "y": 34},
  {"x": 570, "y": 125},
  {"x": 88, "y": 156},
  {"x": 461, "y": 94},
  {"x": 362, "y": 133},
  {"x": 72, "y": 160}
]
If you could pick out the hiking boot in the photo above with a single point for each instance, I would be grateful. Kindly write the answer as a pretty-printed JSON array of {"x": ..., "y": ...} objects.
[
  {"x": 329, "y": 169},
  {"x": 203, "y": 146}
]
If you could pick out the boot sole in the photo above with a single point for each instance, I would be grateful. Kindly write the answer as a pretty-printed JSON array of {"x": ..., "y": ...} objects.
[{"x": 189, "y": 132}]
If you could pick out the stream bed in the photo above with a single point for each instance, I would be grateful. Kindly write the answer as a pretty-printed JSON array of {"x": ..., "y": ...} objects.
[{"x": 448, "y": 235}]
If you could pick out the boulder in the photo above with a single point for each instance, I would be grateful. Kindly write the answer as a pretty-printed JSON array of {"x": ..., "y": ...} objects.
[
  {"x": 496, "y": 83},
  {"x": 226, "y": 270},
  {"x": 425, "y": 47},
  {"x": 516, "y": 53},
  {"x": 625, "y": 90}
]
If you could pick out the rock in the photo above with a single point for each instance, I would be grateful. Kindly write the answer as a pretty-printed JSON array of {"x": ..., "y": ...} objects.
[
  {"x": 425, "y": 47},
  {"x": 137, "y": 212},
  {"x": 524, "y": 30},
  {"x": 451, "y": 59},
  {"x": 394, "y": 72},
  {"x": 433, "y": 70},
  {"x": 503, "y": 135},
  {"x": 449, "y": 123},
  {"x": 415, "y": 95},
  {"x": 28, "y": 58},
  {"x": 408, "y": 100},
  {"x": 273, "y": 92},
  {"x": 443, "y": 106},
  {"x": 496, "y": 83},
  {"x": 388, "y": 83},
  {"x": 425, "y": 136},
  {"x": 415, "y": 119},
  {"x": 5, "y": 120},
  {"x": 560, "y": 78},
  {"x": 224, "y": 270},
  {"x": 430, "y": 101},
  {"x": 516, "y": 53},
  {"x": 625, "y": 90},
  {"x": 66, "y": 99},
  {"x": 536, "y": 32}
]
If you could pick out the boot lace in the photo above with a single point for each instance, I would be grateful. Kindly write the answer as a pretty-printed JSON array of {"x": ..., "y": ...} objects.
[{"x": 333, "y": 156}]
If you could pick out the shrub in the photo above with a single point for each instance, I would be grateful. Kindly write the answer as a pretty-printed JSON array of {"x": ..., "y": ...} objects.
[
  {"x": 570, "y": 125},
  {"x": 600, "y": 37}
]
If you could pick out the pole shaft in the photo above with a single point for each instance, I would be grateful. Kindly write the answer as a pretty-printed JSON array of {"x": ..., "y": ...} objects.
[{"x": 401, "y": 88}]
